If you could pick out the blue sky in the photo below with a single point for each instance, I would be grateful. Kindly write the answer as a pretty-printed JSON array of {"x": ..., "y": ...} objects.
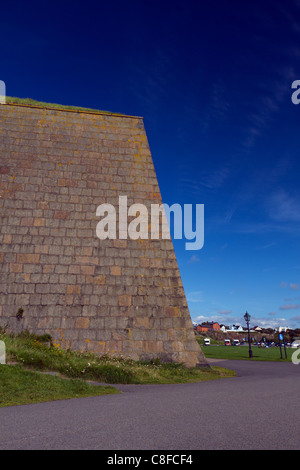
[{"x": 213, "y": 83}]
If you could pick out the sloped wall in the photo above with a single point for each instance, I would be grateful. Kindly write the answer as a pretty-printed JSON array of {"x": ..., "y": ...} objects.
[{"x": 122, "y": 297}]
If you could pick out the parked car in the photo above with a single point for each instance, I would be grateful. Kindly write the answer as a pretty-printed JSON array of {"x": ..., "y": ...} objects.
[
  {"x": 227, "y": 342},
  {"x": 206, "y": 341},
  {"x": 235, "y": 342}
]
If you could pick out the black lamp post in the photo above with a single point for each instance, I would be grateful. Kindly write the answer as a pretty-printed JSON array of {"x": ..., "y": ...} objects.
[{"x": 247, "y": 320}]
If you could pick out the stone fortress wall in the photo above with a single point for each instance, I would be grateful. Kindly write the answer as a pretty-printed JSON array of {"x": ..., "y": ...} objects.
[{"x": 119, "y": 297}]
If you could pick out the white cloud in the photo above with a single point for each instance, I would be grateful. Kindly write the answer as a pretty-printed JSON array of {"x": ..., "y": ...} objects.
[
  {"x": 283, "y": 207},
  {"x": 200, "y": 319},
  {"x": 296, "y": 319},
  {"x": 289, "y": 307},
  {"x": 194, "y": 259}
]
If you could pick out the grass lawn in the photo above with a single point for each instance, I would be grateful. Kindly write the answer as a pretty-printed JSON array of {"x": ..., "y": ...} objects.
[
  {"x": 242, "y": 352},
  {"x": 19, "y": 387},
  {"x": 21, "y": 383}
]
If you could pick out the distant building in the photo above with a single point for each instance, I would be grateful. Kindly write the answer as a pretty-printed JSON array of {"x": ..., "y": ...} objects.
[
  {"x": 236, "y": 328},
  {"x": 224, "y": 328},
  {"x": 208, "y": 326},
  {"x": 283, "y": 328},
  {"x": 257, "y": 328}
]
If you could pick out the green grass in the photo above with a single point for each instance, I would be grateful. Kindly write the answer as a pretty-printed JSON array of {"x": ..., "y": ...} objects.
[
  {"x": 32, "y": 352},
  {"x": 242, "y": 352},
  {"x": 31, "y": 102},
  {"x": 19, "y": 387}
]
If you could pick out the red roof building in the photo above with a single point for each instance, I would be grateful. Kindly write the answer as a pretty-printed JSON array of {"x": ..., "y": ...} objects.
[{"x": 208, "y": 326}]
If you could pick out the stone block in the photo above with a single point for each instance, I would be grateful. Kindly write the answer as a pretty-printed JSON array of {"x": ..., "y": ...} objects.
[{"x": 82, "y": 322}]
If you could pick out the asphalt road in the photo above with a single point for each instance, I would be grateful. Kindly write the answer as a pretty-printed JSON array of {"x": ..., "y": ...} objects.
[{"x": 258, "y": 409}]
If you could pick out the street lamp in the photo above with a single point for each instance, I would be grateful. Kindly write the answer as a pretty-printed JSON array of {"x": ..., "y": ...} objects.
[{"x": 247, "y": 320}]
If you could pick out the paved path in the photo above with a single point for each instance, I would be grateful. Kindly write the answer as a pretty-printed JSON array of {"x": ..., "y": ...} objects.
[{"x": 258, "y": 409}]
